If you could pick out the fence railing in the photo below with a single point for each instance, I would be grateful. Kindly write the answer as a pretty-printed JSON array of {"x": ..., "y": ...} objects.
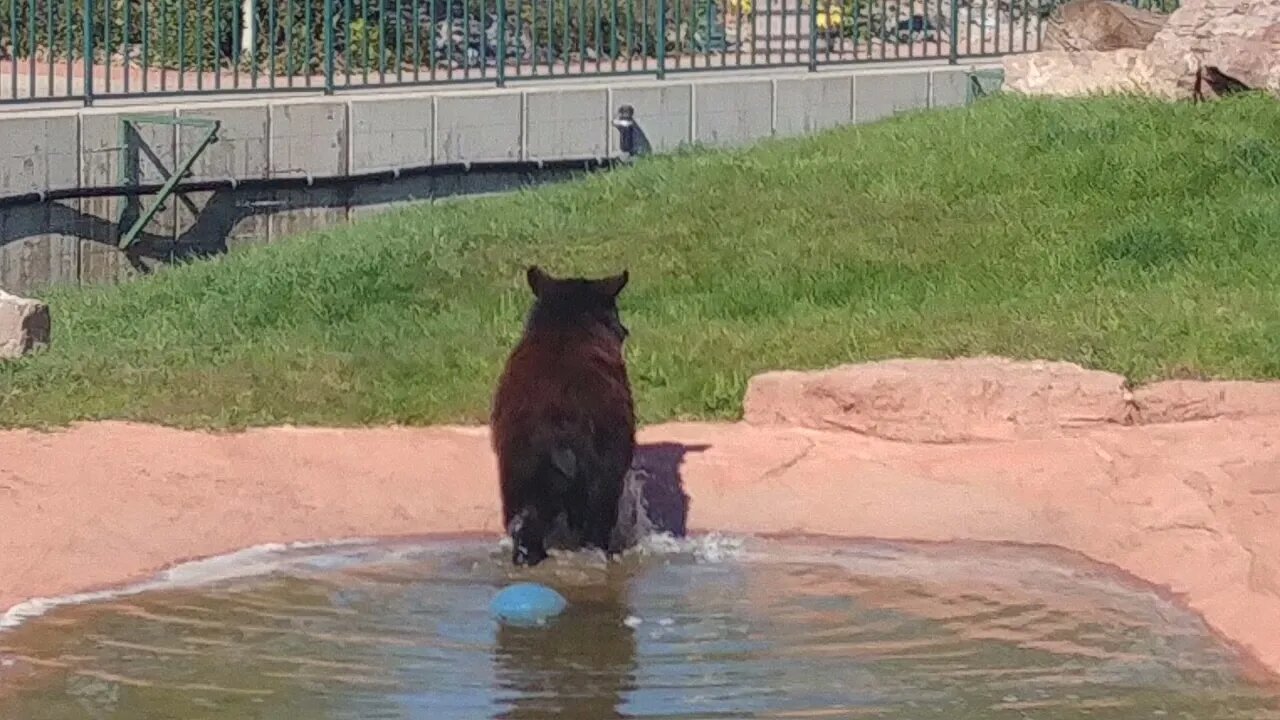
[{"x": 89, "y": 49}]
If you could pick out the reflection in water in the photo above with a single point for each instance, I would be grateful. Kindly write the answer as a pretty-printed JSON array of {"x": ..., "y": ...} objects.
[
  {"x": 578, "y": 668},
  {"x": 796, "y": 629}
]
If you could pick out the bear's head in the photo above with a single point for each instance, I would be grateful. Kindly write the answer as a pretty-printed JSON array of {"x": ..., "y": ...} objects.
[{"x": 576, "y": 302}]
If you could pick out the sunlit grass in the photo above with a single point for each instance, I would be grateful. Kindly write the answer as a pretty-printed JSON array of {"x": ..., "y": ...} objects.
[{"x": 1130, "y": 235}]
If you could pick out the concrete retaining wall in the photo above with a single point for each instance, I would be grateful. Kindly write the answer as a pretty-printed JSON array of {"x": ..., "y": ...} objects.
[{"x": 286, "y": 138}]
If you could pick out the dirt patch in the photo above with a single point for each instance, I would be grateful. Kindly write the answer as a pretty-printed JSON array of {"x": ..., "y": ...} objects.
[{"x": 1181, "y": 489}]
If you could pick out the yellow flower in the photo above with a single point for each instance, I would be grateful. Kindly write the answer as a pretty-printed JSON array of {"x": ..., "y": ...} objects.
[{"x": 831, "y": 18}]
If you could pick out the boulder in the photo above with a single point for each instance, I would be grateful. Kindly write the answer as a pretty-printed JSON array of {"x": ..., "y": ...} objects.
[
  {"x": 941, "y": 401},
  {"x": 1215, "y": 42},
  {"x": 24, "y": 325},
  {"x": 1173, "y": 401},
  {"x": 1206, "y": 48},
  {"x": 1077, "y": 73},
  {"x": 1100, "y": 25}
]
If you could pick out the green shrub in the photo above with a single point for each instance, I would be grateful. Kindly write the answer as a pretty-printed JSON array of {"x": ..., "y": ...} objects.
[
  {"x": 604, "y": 28},
  {"x": 53, "y": 27},
  {"x": 162, "y": 33}
]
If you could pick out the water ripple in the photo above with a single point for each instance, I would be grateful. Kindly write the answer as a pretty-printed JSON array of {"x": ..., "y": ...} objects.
[{"x": 706, "y": 628}]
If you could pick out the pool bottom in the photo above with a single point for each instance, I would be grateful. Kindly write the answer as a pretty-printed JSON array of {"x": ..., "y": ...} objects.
[{"x": 705, "y": 628}]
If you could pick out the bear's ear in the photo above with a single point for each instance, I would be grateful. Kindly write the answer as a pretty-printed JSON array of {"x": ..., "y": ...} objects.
[
  {"x": 539, "y": 281},
  {"x": 611, "y": 286}
]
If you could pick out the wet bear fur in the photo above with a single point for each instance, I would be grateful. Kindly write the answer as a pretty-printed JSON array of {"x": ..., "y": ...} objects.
[{"x": 563, "y": 419}]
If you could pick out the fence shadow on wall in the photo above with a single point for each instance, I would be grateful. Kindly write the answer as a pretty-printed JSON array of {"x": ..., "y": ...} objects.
[
  {"x": 81, "y": 219},
  {"x": 77, "y": 239}
]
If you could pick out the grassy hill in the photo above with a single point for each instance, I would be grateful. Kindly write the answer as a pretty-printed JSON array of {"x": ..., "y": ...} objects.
[{"x": 1123, "y": 234}]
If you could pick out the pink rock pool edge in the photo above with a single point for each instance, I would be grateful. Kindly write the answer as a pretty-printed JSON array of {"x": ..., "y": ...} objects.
[{"x": 1176, "y": 483}]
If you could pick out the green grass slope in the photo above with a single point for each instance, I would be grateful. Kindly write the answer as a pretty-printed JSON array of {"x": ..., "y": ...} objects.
[{"x": 1123, "y": 234}]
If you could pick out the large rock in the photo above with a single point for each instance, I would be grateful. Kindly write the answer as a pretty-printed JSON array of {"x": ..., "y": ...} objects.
[
  {"x": 941, "y": 401},
  {"x": 1237, "y": 38},
  {"x": 1206, "y": 48},
  {"x": 1077, "y": 73},
  {"x": 1174, "y": 401},
  {"x": 24, "y": 325},
  {"x": 1100, "y": 25}
]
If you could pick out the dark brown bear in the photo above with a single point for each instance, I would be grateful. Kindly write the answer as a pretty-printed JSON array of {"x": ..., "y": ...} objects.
[{"x": 563, "y": 420}]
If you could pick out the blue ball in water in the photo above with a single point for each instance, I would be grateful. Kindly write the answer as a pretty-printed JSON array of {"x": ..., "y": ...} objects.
[{"x": 526, "y": 604}]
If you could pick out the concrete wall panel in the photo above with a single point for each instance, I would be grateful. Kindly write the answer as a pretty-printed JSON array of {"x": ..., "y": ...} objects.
[
  {"x": 880, "y": 95},
  {"x": 224, "y": 219},
  {"x": 308, "y": 138},
  {"x": 732, "y": 113},
  {"x": 150, "y": 147},
  {"x": 299, "y": 211},
  {"x": 241, "y": 151},
  {"x": 39, "y": 152},
  {"x": 37, "y": 249},
  {"x": 388, "y": 133},
  {"x": 948, "y": 87},
  {"x": 810, "y": 104},
  {"x": 481, "y": 127},
  {"x": 566, "y": 124}
]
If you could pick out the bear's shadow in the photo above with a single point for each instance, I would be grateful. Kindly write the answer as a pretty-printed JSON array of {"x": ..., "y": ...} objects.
[{"x": 655, "y": 500}]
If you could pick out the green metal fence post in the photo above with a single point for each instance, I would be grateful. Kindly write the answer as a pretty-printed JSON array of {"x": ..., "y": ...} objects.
[
  {"x": 328, "y": 47},
  {"x": 955, "y": 33},
  {"x": 501, "y": 50},
  {"x": 661, "y": 32},
  {"x": 128, "y": 166},
  {"x": 87, "y": 48},
  {"x": 813, "y": 34}
]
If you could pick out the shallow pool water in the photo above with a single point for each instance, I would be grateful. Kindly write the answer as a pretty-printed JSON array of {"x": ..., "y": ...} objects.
[{"x": 707, "y": 628}]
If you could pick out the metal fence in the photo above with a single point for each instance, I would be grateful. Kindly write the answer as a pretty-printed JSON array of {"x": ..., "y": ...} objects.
[{"x": 84, "y": 50}]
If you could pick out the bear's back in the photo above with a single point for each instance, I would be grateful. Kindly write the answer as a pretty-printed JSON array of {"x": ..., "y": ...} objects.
[{"x": 572, "y": 382}]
